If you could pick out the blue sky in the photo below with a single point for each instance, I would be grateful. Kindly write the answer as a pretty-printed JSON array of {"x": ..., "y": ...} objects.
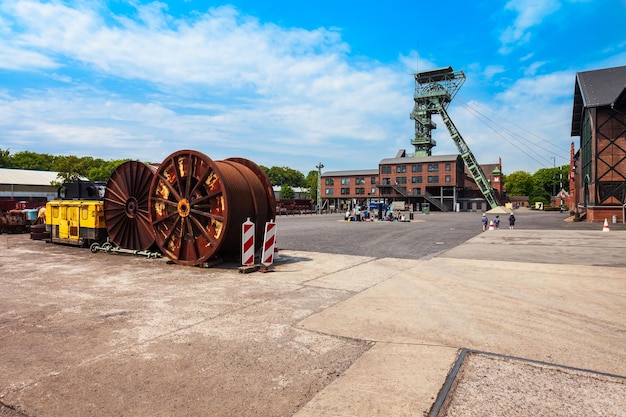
[{"x": 287, "y": 83}]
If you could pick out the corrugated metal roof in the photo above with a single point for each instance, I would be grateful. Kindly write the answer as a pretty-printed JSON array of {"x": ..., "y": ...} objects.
[
  {"x": 26, "y": 177},
  {"x": 596, "y": 88}
]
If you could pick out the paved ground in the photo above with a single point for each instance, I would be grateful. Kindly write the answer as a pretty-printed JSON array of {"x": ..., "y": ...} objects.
[
  {"x": 426, "y": 236},
  {"x": 329, "y": 333}
]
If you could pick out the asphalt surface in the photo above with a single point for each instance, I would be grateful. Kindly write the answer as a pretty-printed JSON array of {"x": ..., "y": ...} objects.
[{"x": 424, "y": 237}]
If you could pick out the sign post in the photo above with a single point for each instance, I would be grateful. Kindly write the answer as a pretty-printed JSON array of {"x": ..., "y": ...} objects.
[
  {"x": 247, "y": 243},
  {"x": 269, "y": 240}
]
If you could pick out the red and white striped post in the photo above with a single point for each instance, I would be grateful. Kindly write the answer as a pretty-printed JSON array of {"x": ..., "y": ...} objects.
[
  {"x": 269, "y": 240},
  {"x": 247, "y": 243}
]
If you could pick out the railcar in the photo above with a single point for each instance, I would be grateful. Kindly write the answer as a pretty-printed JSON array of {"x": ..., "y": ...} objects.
[{"x": 76, "y": 222}]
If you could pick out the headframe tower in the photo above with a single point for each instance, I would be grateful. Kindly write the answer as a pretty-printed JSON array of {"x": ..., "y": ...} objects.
[{"x": 434, "y": 90}]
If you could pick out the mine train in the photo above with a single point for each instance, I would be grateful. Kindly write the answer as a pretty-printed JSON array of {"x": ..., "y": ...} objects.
[{"x": 189, "y": 208}]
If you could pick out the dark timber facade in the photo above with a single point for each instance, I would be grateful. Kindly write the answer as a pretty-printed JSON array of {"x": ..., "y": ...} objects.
[{"x": 599, "y": 118}]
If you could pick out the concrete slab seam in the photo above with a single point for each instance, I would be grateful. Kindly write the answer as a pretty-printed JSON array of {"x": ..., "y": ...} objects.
[{"x": 451, "y": 378}]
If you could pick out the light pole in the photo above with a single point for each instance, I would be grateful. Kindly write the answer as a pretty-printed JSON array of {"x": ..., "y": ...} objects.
[
  {"x": 553, "y": 177},
  {"x": 319, "y": 187}
]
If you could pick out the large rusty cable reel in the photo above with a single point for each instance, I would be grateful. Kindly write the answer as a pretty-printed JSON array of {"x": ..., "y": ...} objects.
[
  {"x": 126, "y": 206},
  {"x": 197, "y": 206},
  {"x": 260, "y": 198}
]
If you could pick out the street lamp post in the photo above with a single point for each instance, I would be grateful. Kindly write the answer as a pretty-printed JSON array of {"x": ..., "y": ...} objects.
[{"x": 319, "y": 187}]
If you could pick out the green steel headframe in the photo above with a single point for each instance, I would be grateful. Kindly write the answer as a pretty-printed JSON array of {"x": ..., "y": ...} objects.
[
  {"x": 432, "y": 87},
  {"x": 434, "y": 90}
]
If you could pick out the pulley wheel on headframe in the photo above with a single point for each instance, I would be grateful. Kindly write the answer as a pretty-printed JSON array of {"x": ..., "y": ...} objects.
[
  {"x": 126, "y": 206},
  {"x": 197, "y": 206}
]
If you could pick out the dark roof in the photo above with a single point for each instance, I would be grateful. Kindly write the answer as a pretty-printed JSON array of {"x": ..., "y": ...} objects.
[
  {"x": 351, "y": 173},
  {"x": 598, "y": 88},
  {"x": 419, "y": 159}
]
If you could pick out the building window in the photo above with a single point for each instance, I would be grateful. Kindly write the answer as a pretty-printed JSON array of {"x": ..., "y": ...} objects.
[
  {"x": 345, "y": 191},
  {"x": 386, "y": 181},
  {"x": 372, "y": 180},
  {"x": 433, "y": 179},
  {"x": 345, "y": 181},
  {"x": 385, "y": 169},
  {"x": 433, "y": 167},
  {"x": 359, "y": 181},
  {"x": 359, "y": 191},
  {"x": 330, "y": 191},
  {"x": 400, "y": 169},
  {"x": 400, "y": 180},
  {"x": 448, "y": 178},
  {"x": 416, "y": 168},
  {"x": 329, "y": 181},
  {"x": 416, "y": 180},
  {"x": 373, "y": 191},
  {"x": 448, "y": 166}
]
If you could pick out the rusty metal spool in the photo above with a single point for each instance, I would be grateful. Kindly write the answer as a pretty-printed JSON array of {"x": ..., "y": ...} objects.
[
  {"x": 126, "y": 206},
  {"x": 197, "y": 205}
]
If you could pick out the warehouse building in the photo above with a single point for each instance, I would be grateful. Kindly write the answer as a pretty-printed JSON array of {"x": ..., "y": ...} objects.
[
  {"x": 598, "y": 169},
  {"x": 33, "y": 187},
  {"x": 440, "y": 181}
]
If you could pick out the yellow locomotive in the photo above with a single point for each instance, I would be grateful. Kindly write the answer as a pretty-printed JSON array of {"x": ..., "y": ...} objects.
[{"x": 77, "y": 216}]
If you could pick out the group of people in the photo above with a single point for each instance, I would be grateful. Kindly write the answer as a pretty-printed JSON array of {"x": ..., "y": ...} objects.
[
  {"x": 357, "y": 215},
  {"x": 496, "y": 221}
]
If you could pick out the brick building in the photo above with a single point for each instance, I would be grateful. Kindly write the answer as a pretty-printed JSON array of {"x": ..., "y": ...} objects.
[
  {"x": 439, "y": 180},
  {"x": 598, "y": 180}
]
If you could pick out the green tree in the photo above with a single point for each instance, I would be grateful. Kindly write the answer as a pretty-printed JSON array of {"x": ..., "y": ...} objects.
[
  {"x": 310, "y": 182},
  {"x": 71, "y": 167},
  {"x": 33, "y": 160},
  {"x": 5, "y": 158},
  {"x": 550, "y": 179},
  {"x": 294, "y": 177},
  {"x": 284, "y": 176},
  {"x": 519, "y": 183},
  {"x": 102, "y": 170},
  {"x": 286, "y": 192}
]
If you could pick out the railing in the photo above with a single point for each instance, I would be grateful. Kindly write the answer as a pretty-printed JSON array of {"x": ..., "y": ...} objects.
[
  {"x": 434, "y": 201},
  {"x": 400, "y": 190}
]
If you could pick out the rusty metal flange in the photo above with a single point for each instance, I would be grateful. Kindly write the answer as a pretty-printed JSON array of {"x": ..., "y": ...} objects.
[
  {"x": 197, "y": 206},
  {"x": 126, "y": 206}
]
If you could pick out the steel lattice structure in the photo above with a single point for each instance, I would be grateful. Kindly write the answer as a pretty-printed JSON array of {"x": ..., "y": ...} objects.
[{"x": 434, "y": 90}]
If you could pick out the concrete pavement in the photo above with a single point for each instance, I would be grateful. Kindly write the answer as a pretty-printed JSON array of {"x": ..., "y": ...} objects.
[
  {"x": 556, "y": 297},
  {"x": 324, "y": 335}
]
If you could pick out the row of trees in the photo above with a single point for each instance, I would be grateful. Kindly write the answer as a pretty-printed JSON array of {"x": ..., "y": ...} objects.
[
  {"x": 97, "y": 169},
  {"x": 68, "y": 167},
  {"x": 538, "y": 186},
  {"x": 289, "y": 178}
]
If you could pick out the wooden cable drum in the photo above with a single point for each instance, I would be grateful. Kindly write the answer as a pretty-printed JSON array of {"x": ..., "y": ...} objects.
[
  {"x": 126, "y": 206},
  {"x": 197, "y": 205}
]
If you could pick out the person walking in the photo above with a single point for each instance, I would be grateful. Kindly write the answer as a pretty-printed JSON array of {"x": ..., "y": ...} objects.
[
  {"x": 485, "y": 221},
  {"x": 511, "y": 221},
  {"x": 496, "y": 222}
]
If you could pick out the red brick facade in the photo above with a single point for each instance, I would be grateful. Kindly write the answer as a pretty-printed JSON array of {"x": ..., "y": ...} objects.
[
  {"x": 437, "y": 180},
  {"x": 598, "y": 183}
]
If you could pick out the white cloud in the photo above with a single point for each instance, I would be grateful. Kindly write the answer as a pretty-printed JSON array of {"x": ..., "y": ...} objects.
[
  {"x": 228, "y": 85},
  {"x": 264, "y": 87},
  {"x": 529, "y": 13}
]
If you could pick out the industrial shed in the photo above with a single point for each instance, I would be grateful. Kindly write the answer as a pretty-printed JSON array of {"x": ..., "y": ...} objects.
[
  {"x": 34, "y": 187},
  {"x": 599, "y": 119}
]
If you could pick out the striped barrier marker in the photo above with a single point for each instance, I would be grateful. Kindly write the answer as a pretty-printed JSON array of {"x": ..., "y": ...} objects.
[
  {"x": 269, "y": 240},
  {"x": 247, "y": 243}
]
